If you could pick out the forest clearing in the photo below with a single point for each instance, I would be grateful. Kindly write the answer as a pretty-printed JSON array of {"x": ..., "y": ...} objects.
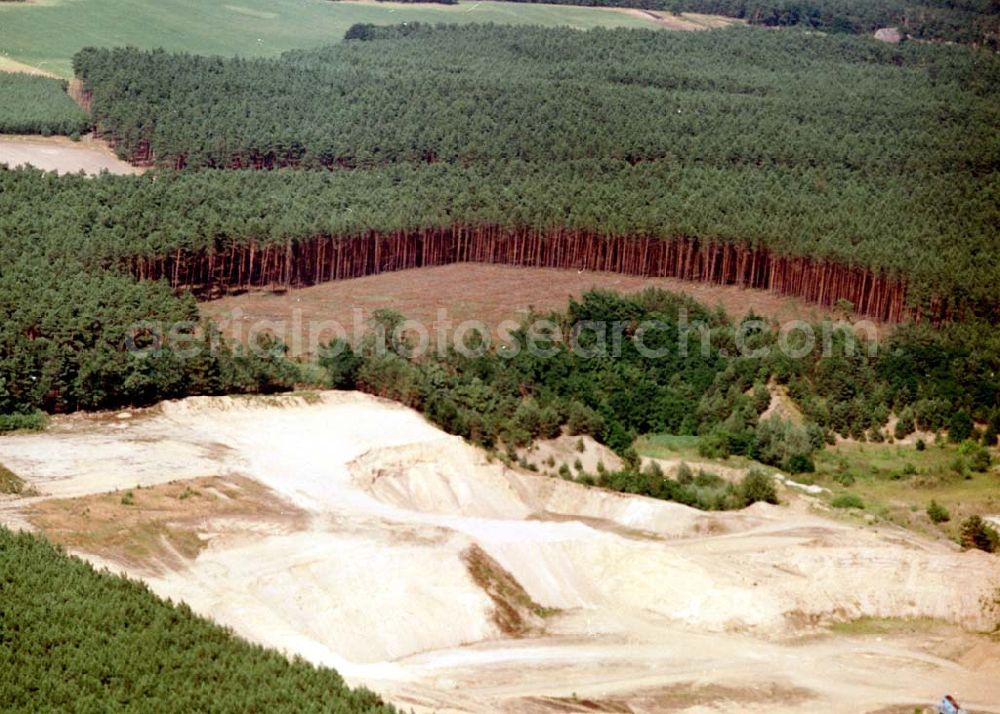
[
  {"x": 471, "y": 291},
  {"x": 62, "y": 155},
  {"x": 387, "y": 500}
]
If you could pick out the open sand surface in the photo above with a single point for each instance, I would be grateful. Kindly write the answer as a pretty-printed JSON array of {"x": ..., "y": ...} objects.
[
  {"x": 61, "y": 154},
  {"x": 350, "y": 531}
]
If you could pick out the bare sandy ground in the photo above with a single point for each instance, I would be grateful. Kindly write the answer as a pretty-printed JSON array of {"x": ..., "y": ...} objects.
[
  {"x": 59, "y": 153},
  {"x": 11, "y": 65},
  {"x": 619, "y": 603},
  {"x": 683, "y": 21}
]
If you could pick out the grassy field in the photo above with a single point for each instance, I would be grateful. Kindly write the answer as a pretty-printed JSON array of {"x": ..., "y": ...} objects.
[
  {"x": 46, "y": 34},
  {"x": 895, "y": 482}
]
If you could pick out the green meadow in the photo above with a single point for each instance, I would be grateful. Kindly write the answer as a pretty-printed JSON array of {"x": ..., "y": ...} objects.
[{"x": 47, "y": 33}]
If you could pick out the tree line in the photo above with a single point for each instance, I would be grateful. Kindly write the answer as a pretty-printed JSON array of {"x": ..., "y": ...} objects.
[
  {"x": 862, "y": 155},
  {"x": 967, "y": 21},
  {"x": 38, "y": 105},
  {"x": 934, "y": 379}
]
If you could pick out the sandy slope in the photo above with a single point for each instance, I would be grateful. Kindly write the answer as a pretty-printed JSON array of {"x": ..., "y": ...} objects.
[{"x": 636, "y": 603}]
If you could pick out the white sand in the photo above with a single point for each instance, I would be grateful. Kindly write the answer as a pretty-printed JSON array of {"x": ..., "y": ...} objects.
[{"x": 652, "y": 594}]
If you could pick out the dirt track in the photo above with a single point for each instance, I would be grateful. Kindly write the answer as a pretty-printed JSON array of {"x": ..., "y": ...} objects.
[
  {"x": 630, "y": 603},
  {"x": 58, "y": 153}
]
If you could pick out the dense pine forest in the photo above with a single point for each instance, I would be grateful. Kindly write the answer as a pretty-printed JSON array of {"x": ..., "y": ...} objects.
[
  {"x": 829, "y": 153},
  {"x": 967, "y": 21},
  {"x": 74, "y": 639},
  {"x": 38, "y": 105}
]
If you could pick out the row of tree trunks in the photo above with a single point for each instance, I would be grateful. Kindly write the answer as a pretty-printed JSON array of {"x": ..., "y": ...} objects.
[{"x": 319, "y": 259}]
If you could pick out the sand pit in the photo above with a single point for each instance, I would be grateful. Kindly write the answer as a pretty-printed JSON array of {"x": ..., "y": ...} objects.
[
  {"x": 362, "y": 537},
  {"x": 61, "y": 154}
]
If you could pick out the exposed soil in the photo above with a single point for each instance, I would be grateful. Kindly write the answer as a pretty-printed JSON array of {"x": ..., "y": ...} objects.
[
  {"x": 451, "y": 294},
  {"x": 59, "y": 153},
  {"x": 161, "y": 526},
  {"x": 9, "y": 65},
  {"x": 684, "y": 21},
  {"x": 363, "y": 538}
]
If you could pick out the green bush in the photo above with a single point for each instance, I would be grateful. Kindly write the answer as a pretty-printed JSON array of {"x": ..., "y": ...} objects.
[
  {"x": 844, "y": 478},
  {"x": 937, "y": 513},
  {"x": 847, "y": 500},
  {"x": 905, "y": 424},
  {"x": 960, "y": 426},
  {"x": 757, "y": 486},
  {"x": 977, "y": 533},
  {"x": 33, "y": 421},
  {"x": 780, "y": 443}
]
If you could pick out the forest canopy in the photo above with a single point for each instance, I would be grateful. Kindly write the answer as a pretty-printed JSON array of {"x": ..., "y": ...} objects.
[
  {"x": 38, "y": 105},
  {"x": 834, "y": 147},
  {"x": 967, "y": 21}
]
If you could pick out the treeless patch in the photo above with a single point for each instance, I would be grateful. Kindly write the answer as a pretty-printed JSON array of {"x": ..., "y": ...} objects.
[
  {"x": 436, "y": 296},
  {"x": 62, "y": 154},
  {"x": 675, "y": 697},
  {"x": 683, "y": 21},
  {"x": 9, "y": 65},
  {"x": 158, "y": 527}
]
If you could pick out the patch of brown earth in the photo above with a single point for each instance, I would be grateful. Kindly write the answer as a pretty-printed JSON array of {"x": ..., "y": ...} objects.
[
  {"x": 158, "y": 527},
  {"x": 62, "y": 154},
  {"x": 442, "y": 297},
  {"x": 676, "y": 697},
  {"x": 515, "y": 613},
  {"x": 683, "y": 21}
]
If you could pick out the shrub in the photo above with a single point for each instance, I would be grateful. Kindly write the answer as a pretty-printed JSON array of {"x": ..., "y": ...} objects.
[
  {"x": 937, "y": 513},
  {"x": 564, "y": 471},
  {"x": 847, "y": 500},
  {"x": 631, "y": 459},
  {"x": 905, "y": 424},
  {"x": 979, "y": 459},
  {"x": 959, "y": 426},
  {"x": 757, "y": 486},
  {"x": 909, "y": 469},
  {"x": 684, "y": 473},
  {"x": 341, "y": 363},
  {"x": 977, "y": 533},
  {"x": 34, "y": 421},
  {"x": 780, "y": 443},
  {"x": 128, "y": 499},
  {"x": 921, "y": 445},
  {"x": 844, "y": 478},
  {"x": 581, "y": 419}
]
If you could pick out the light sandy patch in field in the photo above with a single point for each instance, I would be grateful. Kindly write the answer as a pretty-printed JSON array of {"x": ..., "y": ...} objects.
[
  {"x": 9, "y": 65},
  {"x": 59, "y": 153},
  {"x": 413, "y": 558},
  {"x": 684, "y": 21},
  {"x": 466, "y": 291}
]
